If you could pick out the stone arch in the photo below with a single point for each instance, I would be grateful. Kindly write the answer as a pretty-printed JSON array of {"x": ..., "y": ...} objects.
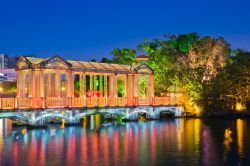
[
  {"x": 175, "y": 110},
  {"x": 115, "y": 111},
  {"x": 149, "y": 112},
  {"x": 83, "y": 114},
  {"x": 42, "y": 116},
  {"x": 14, "y": 116}
]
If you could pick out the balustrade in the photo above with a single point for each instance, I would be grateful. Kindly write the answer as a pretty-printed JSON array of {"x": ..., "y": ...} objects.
[
  {"x": 8, "y": 103},
  {"x": 143, "y": 101},
  {"x": 91, "y": 102},
  {"x": 121, "y": 101},
  {"x": 101, "y": 102},
  {"x": 56, "y": 102},
  {"x": 167, "y": 100},
  {"x": 80, "y": 102},
  {"x": 23, "y": 103},
  {"x": 130, "y": 101},
  {"x": 111, "y": 101},
  {"x": 158, "y": 101}
]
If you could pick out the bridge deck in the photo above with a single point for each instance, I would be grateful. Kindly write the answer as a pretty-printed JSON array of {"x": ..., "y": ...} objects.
[{"x": 83, "y": 102}]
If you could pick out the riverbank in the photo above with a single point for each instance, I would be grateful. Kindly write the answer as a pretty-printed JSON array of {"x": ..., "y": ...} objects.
[{"x": 225, "y": 114}]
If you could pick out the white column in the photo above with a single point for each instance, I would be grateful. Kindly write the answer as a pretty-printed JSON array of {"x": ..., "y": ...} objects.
[{"x": 111, "y": 85}]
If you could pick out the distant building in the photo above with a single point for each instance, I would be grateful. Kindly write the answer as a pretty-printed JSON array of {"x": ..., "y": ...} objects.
[
  {"x": 142, "y": 58},
  {"x": 7, "y": 62},
  {"x": 3, "y": 77},
  {"x": 12, "y": 62},
  {"x": 7, "y": 68},
  {"x": 9, "y": 75},
  {"x": 4, "y": 59}
]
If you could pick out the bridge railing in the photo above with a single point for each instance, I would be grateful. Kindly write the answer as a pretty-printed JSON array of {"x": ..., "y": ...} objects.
[
  {"x": 167, "y": 101},
  {"x": 80, "y": 102},
  {"x": 7, "y": 103},
  {"x": 91, "y": 102},
  {"x": 111, "y": 101},
  {"x": 121, "y": 101},
  {"x": 101, "y": 102},
  {"x": 52, "y": 102},
  {"x": 23, "y": 102}
]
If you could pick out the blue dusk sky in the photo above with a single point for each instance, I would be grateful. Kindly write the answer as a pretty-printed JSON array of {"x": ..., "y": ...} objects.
[{"x": 87, "y": 29}]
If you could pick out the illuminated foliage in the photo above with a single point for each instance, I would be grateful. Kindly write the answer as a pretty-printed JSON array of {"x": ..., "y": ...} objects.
[
  {"x": 120, "y": 87},
  {"x": 143, "y": 88},
  {"x": 198, "y": 67},
  {"x": 232, "y": 85},
  {"x": 10, "y": 89},
  {"x": 124, "y": 56},
  {"x": 186, "y": 62}
]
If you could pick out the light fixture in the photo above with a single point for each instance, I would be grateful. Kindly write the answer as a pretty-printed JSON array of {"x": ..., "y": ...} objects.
[{"x": 63, "y": 88}]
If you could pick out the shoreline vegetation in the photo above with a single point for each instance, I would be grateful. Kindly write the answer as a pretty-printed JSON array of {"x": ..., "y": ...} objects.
[{"x": 209, "y": 75}]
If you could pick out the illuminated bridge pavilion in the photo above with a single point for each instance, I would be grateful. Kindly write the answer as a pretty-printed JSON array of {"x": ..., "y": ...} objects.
[{"x": 54, "y": 84}]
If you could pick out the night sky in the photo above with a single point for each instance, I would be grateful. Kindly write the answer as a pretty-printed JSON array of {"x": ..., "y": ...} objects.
[{"x": 90, "y": 29}]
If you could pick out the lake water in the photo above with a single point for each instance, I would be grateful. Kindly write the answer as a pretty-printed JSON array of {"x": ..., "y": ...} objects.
[{"x": 211, "y": 142}]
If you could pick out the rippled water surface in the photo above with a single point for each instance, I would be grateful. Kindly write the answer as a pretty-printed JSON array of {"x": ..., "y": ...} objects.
[{"x": 171, "y": 142}]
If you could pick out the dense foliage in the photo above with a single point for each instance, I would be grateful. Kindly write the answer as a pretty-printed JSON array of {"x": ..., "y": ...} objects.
[{"x": 208, "y": 74}]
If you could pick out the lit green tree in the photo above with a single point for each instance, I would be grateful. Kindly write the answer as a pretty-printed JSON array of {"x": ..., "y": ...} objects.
[
  {"x": 124, "y": 56},
  {"x": 232, "y": 84}
]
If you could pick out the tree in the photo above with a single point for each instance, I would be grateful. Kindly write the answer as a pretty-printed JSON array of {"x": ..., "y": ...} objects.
[
  {"x": 167, "y": 58},
  {"x": 124, "y": 56},
  {"x": 211, "y": 54},
  {"x": 206, "y": 58},
  {"x": 187, "y": 63},
  {"x": 233, "y": 82},
  {"x": 106, "y": 60}
]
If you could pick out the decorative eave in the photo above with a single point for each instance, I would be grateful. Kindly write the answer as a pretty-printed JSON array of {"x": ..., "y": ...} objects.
[
  {"x": 142, "y": 67},
  {"x": 52, "y": 59},
  {"x": 24, "y": 59}
]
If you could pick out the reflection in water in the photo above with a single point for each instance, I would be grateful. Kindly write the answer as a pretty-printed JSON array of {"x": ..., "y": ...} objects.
[
  {"x": 172, "y": 142},
  {"x": 239, "y": 125},
  {"x": 227, "y": 142},
  {"x": 5, "y": 127}
]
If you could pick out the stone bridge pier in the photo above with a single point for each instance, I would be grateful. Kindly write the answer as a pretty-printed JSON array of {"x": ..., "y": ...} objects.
[{"x": 152, "y": 112}]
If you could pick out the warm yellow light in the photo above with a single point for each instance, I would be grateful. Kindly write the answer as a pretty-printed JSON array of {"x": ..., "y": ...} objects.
[
  {"x": 227, "y": 134},
  {"x": 178, "y": 95},
  {"x": 63, "y": 88},
  {"x": 239, "y": 107},
  {"x": 1, "y": 89},
  {"x": 24, "y": 131},
  {"x": 196, "y": 109}
]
